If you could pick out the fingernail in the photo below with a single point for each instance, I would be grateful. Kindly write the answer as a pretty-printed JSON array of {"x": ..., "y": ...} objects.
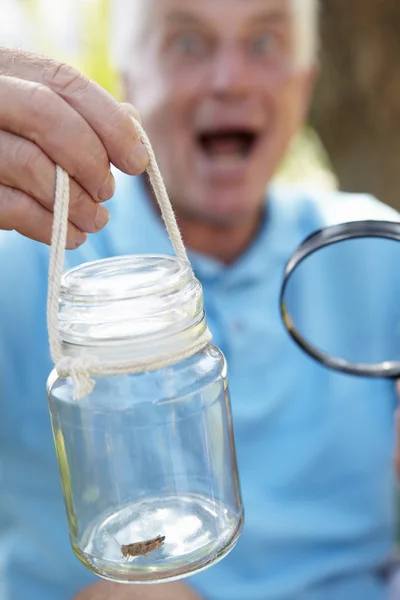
[
  {"x": 132, "y": 111},
  {"x": 107, "y": 189},
  {"x": 102, "y": 217},
  {"x": 78, "y": 239},
  {"x": 138, "y": 159}
]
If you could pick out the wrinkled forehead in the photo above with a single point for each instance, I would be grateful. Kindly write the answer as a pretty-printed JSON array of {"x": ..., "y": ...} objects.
[
  {"x": 159, "y": 11},
  {"x": 133, "y": 18}
]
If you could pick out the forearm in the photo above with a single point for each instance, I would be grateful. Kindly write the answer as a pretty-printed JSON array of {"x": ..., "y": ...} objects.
[{"x": 104, "y": 590}]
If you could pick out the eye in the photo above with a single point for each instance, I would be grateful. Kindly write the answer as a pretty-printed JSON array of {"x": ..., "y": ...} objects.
[
  {"x": 262, "y": 44},
  {"x": 190, "y": 44}
]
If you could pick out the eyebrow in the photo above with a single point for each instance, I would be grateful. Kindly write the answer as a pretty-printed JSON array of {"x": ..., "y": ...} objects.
[
  {"x": 180, "y": 17},
  {"x": 275, "y": 17}
]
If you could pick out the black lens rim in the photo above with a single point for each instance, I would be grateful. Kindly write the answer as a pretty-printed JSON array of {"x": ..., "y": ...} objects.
[{"x": 314, "y": 242}]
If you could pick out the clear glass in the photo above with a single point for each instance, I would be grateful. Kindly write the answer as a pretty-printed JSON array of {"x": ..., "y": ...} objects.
[{"x": 148, "y": 455}]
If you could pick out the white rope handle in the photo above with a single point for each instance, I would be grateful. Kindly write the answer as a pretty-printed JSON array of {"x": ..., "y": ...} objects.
[
  {"x": 57, "y": 254},
  {"x": 81, "y": 368},
  {"x": 162, "y": 198}
]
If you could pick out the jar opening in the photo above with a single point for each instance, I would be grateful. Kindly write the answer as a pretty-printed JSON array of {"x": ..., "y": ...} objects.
[{"x": 141, "y": 301}]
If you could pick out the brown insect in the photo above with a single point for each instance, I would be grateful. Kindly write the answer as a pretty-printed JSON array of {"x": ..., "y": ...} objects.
[{"x": 142, "y": 548}]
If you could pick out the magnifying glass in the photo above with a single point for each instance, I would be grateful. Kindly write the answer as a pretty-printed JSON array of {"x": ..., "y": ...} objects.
[{"x": 340, "y": 298}]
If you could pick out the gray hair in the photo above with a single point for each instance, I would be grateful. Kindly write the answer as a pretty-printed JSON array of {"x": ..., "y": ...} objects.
[
  {"x": 306, "y": 32},
  {"x": 125, "y": 20}
]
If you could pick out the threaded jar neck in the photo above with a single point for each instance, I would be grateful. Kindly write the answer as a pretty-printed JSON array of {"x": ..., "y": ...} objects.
[{"x": 149, "y": 305}]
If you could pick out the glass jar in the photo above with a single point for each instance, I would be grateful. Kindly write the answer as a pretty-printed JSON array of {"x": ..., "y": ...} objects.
[{"x": 147, "y": 460}]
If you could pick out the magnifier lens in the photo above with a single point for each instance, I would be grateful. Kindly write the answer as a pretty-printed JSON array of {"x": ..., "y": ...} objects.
[{"x": 341, "y": 298}]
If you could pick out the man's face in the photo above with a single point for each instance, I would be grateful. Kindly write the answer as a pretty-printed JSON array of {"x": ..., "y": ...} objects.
[{"x": 215, "y": 84}]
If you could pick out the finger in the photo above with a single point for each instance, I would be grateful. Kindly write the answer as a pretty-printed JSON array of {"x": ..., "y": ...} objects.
[
  {"x": 132, "y": 111},
  {"x": 24, "y": 214},
  {"x": 106, "y": 116},
  {"x": 36, "y": 113},
  {"x": 24, "y": 166}
]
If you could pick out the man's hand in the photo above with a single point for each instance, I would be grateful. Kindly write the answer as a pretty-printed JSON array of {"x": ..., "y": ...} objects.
[
  {"x": 161, "y": 591},
  {"x": 51, "y": 114}
]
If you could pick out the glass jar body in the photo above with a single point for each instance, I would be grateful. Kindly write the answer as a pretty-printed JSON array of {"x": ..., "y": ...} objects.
[{"x": 149, "y": 455}]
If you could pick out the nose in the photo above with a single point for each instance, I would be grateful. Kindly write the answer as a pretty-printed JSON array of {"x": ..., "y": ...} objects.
[{"x": 230, "y": 74}]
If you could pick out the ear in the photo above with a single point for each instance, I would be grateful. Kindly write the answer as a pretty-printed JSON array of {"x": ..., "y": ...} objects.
[{"x": 309, "y": 79}]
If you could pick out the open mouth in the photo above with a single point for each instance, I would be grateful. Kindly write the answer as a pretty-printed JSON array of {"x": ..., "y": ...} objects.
[{"x": 228, "y": 145}]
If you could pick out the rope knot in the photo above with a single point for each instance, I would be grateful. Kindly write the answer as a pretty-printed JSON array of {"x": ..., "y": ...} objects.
[{"x": 79, "y": 369}]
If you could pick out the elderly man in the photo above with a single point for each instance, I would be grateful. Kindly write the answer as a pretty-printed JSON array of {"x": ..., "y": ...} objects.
[{"x": 222, "y": 87}]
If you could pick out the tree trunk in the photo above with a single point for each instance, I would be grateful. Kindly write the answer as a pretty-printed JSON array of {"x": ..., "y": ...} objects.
[{"x": 356, "y": 110}]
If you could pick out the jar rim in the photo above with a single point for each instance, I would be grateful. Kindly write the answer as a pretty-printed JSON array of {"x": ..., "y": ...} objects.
[
  {"x": 144, "y": 303},
  {"x": 125, "y": 277}
]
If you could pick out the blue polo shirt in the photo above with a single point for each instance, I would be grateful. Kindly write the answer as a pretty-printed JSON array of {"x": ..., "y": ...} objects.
[{"x": 314, "y": 447}]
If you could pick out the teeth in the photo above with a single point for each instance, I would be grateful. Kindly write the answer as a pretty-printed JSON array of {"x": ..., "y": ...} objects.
[{"x": 228, "y": 159}]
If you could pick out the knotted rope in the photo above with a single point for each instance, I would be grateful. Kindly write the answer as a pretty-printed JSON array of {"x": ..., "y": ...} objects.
[{"x": 81, "y": 368}]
